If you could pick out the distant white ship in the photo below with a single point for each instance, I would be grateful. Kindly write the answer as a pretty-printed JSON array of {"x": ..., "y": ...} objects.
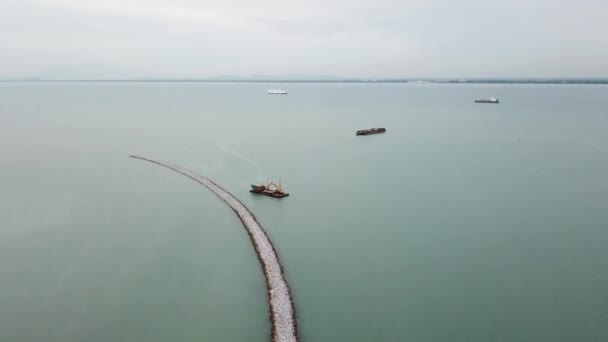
[
  {"x": 277, "y": 92},
  {"x": 488, "y": 100}
]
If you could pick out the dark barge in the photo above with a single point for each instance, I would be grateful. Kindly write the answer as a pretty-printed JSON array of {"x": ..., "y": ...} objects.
[{"x": 371, "y": 131}]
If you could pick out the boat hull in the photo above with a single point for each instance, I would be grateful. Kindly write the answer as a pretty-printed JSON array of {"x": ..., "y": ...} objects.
[{"x": 270, "y": 193}]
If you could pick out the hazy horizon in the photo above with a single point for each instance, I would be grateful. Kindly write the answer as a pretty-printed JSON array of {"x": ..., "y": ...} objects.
[
  {"x": 70, "y": 39},
  {"x": 313, "y": 78}
]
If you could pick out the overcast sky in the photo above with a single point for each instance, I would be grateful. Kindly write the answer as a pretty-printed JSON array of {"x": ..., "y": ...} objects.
[{"x": 350, "y": 38}]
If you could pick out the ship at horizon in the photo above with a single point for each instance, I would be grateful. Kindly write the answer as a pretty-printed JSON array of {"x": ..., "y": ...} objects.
[
  {"x": 488, "y": 100},
  {"x": 277, "y": 92}
]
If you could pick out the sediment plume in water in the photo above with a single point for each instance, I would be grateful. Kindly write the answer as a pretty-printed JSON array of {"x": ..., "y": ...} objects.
[{"x": 282, "y": 309}]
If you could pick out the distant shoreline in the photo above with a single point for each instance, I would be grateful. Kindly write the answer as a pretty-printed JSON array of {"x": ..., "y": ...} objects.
[{"x": 420, "y": 81}]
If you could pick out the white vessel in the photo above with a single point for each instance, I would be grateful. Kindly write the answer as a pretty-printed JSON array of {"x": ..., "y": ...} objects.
[
  {"x": 277, "y": 92},
  {"x": 488, "y": 100}
]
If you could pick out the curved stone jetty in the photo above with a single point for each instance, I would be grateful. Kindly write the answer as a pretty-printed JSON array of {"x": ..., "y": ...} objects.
[{"x": 282, "y": 309}]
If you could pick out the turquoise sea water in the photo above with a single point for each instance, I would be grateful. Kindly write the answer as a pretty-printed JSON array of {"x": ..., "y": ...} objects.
[{"x": 464, "y": 222}]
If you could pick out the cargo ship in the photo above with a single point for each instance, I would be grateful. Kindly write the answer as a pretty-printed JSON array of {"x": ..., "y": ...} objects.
[
  {"x": 488, "y": 100},
  {"x": 269, "y": 189},
  {"x": 371, "y": 131}
]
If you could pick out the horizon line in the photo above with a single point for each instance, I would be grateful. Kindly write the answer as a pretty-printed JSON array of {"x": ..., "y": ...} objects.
[{"x": 271, "y": 79}]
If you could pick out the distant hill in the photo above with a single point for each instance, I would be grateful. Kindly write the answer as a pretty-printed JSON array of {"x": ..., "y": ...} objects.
[{"x": 295, "y": 77}]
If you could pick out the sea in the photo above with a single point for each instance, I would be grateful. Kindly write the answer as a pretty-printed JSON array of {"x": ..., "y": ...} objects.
[{"x": 463, "y": 222}]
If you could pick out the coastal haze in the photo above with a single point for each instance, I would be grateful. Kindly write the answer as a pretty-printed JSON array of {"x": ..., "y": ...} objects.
[
  {"x": 116, "y": 39},
  {"x": 464, "y": 222}
]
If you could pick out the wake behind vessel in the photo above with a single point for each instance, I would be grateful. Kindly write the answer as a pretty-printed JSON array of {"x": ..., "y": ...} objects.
[
  {"x": 277, "y": 92},
  {"x": 488, "y": 100}
]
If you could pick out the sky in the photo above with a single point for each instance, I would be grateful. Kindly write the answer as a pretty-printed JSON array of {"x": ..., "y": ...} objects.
[{"x": 73, "y": 39}]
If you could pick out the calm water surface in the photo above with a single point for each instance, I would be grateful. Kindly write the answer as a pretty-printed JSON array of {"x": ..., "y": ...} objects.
[{"x": 465, "y": 222}]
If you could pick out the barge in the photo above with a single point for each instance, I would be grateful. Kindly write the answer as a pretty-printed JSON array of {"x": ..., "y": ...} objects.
[
  {"x": 270, "y": 189},
  {"x": 371, "y": 131}
]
